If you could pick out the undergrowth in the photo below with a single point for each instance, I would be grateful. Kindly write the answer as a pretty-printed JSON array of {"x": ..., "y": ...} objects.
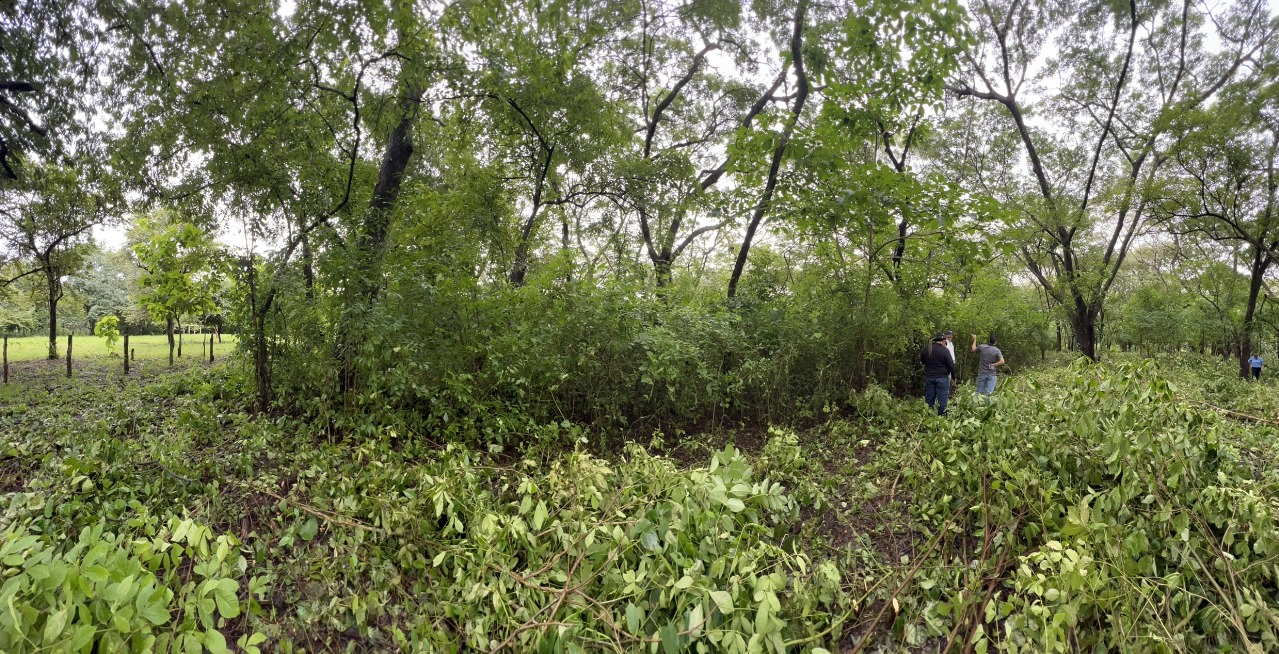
[{"x": 1104, "y": 508}]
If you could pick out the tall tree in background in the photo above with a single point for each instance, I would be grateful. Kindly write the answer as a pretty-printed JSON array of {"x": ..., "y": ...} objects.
[
  {"x": 301, "y": 122},
  {"x": 552, "y": 122},
  {"x": 802, "y": 89},
  {"x": 684, "y": 111},
  {"x": 45, "y": 220},
  {"x": 1224, "y": 186},
  {"x": 183, "y": 270},
  {"x": 1127, "y": 69}
]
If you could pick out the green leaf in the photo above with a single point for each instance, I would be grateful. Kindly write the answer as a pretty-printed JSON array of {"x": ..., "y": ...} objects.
[
  {"x": 54, "y": 626},
  {"x": 215, "y": 642},
  {"x": 83, "y": 637},
  {"x": 723, "y": 600},
  {"x": 539, "y": 515},
  {"x": 224, "y": 593},
  {"x": 649, "y": 540},
  {"x": 670, "y": 639},
  {"x": 696, "y": 619},
  {"x": 97, "y": 574},
  {"x": 634, "y": 617},
  {"x": 308, "y": 529},
  {"x": 155, "y": 612},
  {"x": 151, "y": 606},
  {"x": 684, "y": 582}
]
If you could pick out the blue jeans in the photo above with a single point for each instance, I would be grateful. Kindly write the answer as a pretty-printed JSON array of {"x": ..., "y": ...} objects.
[
  {"x": 985, "y": 384},
  {"x": 937, "y": 393}
]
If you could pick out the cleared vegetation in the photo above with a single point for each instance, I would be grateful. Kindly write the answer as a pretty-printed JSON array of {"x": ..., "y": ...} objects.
[{"x": 1120, "y": 507}]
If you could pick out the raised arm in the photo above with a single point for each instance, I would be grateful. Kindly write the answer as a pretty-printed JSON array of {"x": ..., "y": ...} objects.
[{"x": 974, "y": 348}]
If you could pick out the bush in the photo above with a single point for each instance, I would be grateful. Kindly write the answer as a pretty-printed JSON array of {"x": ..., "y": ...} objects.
[{"x": 108, "y": 329}]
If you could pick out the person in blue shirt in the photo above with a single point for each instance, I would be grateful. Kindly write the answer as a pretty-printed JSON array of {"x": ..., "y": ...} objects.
[{"x": 1255, "y": 362}]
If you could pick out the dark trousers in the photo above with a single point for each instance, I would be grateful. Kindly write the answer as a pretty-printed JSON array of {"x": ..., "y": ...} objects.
[
  {"x": 937, "y": 393},
  {"x": 1256, "y": 373}
]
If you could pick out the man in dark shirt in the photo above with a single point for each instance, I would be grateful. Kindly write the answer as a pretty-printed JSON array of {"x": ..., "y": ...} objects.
[
  {"x": 988, "y": 359},
  {"x": 939, "y": 367}
]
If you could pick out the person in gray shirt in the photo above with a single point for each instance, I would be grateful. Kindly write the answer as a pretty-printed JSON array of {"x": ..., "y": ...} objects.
[{"x": 988, "y": 359}]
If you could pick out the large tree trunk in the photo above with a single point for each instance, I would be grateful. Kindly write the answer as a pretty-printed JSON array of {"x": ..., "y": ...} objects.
[
  {"x": 54, "y": 295},
  {"x": 662, "y": 269},
  {"x": 261, "y": 363},
  {"x": 1083, "y": 324},
  {"x": 371, "y": 242},
  {"x": 258, "y": 309},
  {"x": 520, "y": 268},
  {"x": 1258, "y": 272},
  {"x": 308, "y": 269}
]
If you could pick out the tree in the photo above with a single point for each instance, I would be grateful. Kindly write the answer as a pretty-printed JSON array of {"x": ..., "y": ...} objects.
[
  {"x": 183, "y": 270},
  {"x": 1224, "y": 186},
  {"x": 45, "y": 220},
  {"x": 108, "y": 329},
  {"x": 689, "y": 116},
  {"x": 104, "y": 285},
  {"x": 550, "y": 122},
  {"x": 1127, "y": 70},
  {"x": 17, "y": 310},
  {"x": 882, "y": 69},
  {"x": 304, "y": 121},
  {"x": 47, "y": 50}
]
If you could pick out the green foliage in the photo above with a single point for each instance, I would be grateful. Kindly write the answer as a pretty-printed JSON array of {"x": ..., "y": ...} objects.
[
  {"x": 108, "y": 329},
  {"x": 17, "y": 312},
  {"x": 1131, "y": 521},
  {"x": 117, "y": 592},
  {"x": 1110, "y": 512},
  {"x": 183, "y": 268}
]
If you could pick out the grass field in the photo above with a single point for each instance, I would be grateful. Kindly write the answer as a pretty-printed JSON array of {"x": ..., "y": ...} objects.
[{"x": 86, "y": 347}]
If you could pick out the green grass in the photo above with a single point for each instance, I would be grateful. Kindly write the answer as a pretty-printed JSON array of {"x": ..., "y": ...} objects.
[{"x": 86, "y": 347}]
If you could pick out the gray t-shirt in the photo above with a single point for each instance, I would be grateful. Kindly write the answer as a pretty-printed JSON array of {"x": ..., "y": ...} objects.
[{"x": 987, "y": 355}]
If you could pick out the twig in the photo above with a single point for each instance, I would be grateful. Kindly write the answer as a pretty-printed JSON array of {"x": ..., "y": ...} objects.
[
  {"x": 175, "y": 475},
  {"x": 319, "y": 513},
  {"x": 1235, "y": 414},
  {"x": 919, "y": 561},
  {"x": 981, "y": 608}
]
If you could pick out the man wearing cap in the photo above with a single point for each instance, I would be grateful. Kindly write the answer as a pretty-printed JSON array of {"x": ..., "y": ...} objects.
[{"x": 939, "y": 367}]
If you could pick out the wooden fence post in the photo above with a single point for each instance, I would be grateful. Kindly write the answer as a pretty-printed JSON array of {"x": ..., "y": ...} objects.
[
  {"x": 126, "y": 353},
  {"x": 69, "y": 356}
]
